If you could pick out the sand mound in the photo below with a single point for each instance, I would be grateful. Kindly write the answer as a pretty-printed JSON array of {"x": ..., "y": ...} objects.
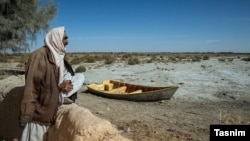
[{"x": 75, "y": 123}]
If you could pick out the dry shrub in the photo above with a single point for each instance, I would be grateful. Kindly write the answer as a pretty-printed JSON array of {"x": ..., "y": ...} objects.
[
  {"x": 203, "y": 66},
  {"x": 196, "y": 58},
  {"x": 80, "y": 69},
  {"x": 230, "y": 59},
  {"x": 221, "y": 59},
  {"x": 226, "y": 118},
  {"x": 76, "y": 60},
  {"x": 206, "y": 57},
  {"x": 133, "y": 61},
  {"x": 90, "y": 59},
  {"x": 246, "y": 59},
  {"x": 108, "y": 59}
]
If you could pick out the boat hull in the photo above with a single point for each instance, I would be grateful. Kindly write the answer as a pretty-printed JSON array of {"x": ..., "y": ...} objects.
[{"x": 148, "y": 93}]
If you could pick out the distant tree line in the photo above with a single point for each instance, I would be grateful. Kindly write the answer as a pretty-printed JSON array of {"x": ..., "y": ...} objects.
[{"x": 21, "y": 21}]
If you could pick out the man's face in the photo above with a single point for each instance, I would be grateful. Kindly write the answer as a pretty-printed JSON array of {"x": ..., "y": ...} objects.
[{"x": 65, "y": 39}]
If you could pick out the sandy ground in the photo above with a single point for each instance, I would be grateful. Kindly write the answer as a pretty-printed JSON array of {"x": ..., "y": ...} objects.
[{"x": 211, "y": 92}]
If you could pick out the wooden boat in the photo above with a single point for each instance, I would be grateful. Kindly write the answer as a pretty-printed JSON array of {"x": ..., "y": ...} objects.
[{"x": 125, "y": 91}]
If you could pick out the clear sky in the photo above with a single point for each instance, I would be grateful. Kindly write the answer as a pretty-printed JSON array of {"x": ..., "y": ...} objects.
[{"x": 154, "y": 25}]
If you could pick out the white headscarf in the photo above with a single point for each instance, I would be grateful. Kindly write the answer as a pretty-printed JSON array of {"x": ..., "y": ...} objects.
[{"x": 53, "y": 41}]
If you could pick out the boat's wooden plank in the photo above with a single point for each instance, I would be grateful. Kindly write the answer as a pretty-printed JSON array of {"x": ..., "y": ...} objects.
[
  {"x": 136, "y": 92},
  {"x": 108, "y": 86},
  {"x": 119, "y": 90},
  {"x": 97, "y": 87}
]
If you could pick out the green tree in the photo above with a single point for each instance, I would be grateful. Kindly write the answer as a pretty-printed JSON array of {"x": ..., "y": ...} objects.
[{"x": 22, "y": 20}]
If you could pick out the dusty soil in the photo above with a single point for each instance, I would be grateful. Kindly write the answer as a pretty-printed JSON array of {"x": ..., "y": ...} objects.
[
  {"x": 211, "y": 92},
  {"x": 164, "y": 120}
]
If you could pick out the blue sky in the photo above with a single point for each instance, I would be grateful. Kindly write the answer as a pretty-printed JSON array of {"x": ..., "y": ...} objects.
[{"x": 154, "y": 25}]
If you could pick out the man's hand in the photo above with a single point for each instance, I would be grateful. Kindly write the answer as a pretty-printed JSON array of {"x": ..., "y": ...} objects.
[{"x": 66, "y": 86}]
